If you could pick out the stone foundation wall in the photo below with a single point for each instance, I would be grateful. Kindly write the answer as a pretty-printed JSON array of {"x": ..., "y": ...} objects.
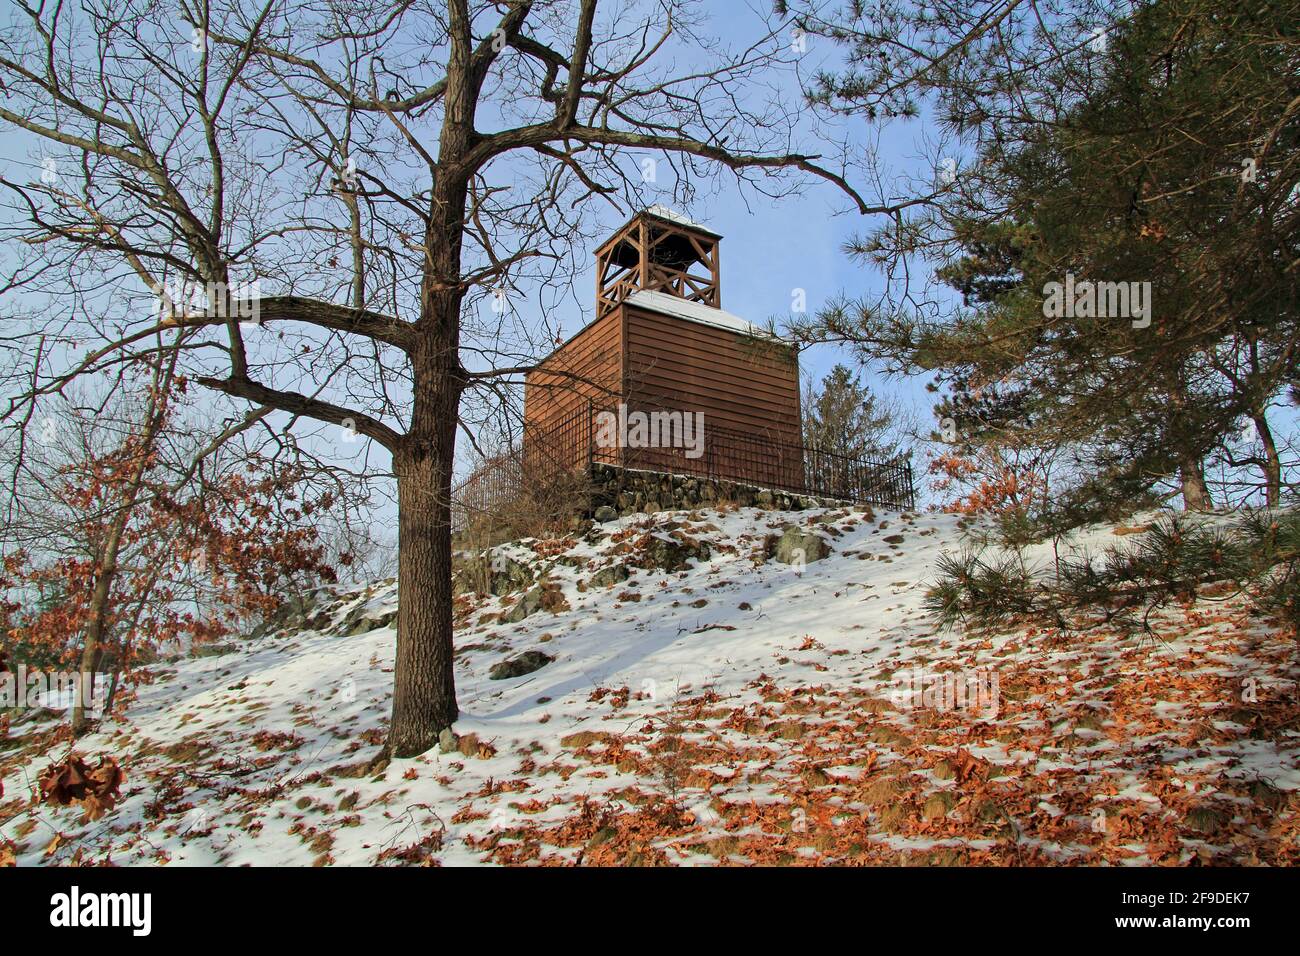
[{"x": 624, "y": 491}]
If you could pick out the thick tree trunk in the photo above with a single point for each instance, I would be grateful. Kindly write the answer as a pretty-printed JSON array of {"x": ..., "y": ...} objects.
[
  {"x": 1196, "y": 496},
  {"x": 1272, "y": 466},
  {"x": 1191, "y": 469},
  {"x": 424, "y": 694}
]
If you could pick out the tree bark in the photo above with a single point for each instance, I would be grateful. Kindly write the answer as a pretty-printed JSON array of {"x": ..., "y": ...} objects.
[
  {"x": 424, "y": 693},
  {"x": 1196, "y": 496},
  {"x": 1272, "y": 465},
  {"x": 98, "y": 613}
]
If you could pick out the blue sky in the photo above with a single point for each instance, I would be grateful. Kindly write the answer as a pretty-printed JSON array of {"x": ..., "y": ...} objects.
[
  {"x": 772, "y": 247},
  {"x": 769, "y": 248}
]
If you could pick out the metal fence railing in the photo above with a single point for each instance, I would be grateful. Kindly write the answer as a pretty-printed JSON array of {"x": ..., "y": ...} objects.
[{"x": 574, "y": 443}]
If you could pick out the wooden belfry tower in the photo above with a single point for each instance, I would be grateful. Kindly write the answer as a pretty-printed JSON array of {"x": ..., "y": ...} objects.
[
  {"x": 658, "y": 251},
  {"x": 660, "y": 341}
]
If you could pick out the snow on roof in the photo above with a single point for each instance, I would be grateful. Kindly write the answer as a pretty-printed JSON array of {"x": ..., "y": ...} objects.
[
  {"x": 695, "y": 312},
  {"x": 672, "y": 215}
]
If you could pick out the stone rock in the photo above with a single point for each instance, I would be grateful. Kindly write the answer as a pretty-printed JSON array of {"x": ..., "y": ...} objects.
[
  {"x": 668, "y": 554},
  {"x": 829, "y": 517},
  {"x": 447, "y": 742},
  {"x": 526, "y": 606},
  {"x": 363, "y": 619},
  {"x": 212, "y": 650},
  {"x": 605, "y": 513},
  {"x": 310, "y": 611},
  {"x": 507, "y": 575},
  {"x": 608, "y": 577},
  {"x": 498, "y": 573},
  {"x": 518, "y": 666},
  {"x": 291, "y": 615},
  {"x": 319, "y": 621},
  {"x": 796, "y": 544},
  {"x": 631, "y": 492},
  {"x": 543, "y": 596}
]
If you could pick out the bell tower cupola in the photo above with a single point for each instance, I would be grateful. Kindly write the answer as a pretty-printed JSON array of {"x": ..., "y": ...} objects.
[{"x": 658, "y": 250}]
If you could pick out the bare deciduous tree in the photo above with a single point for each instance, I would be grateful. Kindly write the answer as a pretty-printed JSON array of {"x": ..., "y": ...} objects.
[{"x": 380, "y": 168}]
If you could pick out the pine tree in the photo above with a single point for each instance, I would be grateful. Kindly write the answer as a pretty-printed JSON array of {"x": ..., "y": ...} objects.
[
  {"x": 843, "y": 417},
  {"x": 1165, "y": 157}
]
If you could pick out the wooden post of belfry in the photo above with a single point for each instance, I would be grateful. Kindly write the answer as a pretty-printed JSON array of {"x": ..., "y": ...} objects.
[
  {"x": 717, "y": 275},
  {"x": 643, "y": 241}
]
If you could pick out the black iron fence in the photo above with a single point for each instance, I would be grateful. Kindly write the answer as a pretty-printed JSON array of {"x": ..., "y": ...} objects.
[{"x": 582, "y": 439}]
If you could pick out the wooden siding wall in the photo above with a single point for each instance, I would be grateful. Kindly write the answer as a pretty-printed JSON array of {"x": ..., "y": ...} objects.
[
  {"x": 740, "y": 384},
  {"x": 747, "y": 390},
  {"x": 749, "y": 385},
  {"x": 595, "y": 358}
]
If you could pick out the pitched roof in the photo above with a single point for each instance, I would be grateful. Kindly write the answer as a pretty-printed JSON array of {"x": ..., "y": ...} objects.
[
  {"x": 672, "y": 215},
  {"x": 681, "y": 308}
]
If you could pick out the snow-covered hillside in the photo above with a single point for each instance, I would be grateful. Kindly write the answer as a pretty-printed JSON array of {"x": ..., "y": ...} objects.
[{"x": 723, "y": 709}]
